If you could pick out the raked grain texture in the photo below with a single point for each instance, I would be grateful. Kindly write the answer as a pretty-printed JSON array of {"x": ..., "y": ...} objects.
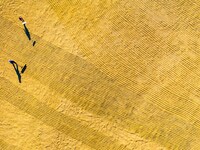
[{"x": 103, "y": 75}]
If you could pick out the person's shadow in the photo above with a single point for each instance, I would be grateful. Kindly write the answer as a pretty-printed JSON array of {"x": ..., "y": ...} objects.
[
  {"x": 27, "y": 32},
  {"x": 15, "y": 65}
]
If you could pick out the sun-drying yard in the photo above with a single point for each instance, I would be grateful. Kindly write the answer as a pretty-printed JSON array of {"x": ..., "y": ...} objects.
[{"x": 107, "y": 75}]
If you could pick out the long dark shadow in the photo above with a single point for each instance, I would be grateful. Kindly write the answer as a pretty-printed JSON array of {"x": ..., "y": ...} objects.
[
  {"x": 15, "y": 65},
  {"x": 27, "y": 32}
]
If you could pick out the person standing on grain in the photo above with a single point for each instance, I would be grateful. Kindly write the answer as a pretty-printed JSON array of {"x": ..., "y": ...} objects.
[
  {"x": 25, "y": 28},
  {"x": 22, "y": 20}
]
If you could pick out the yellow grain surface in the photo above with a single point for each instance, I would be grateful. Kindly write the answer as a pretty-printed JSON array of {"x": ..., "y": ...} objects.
[{"x": 107, "y": 75}]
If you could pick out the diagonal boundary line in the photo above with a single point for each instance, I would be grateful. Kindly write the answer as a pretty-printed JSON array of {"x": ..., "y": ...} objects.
[
  {"x": 59, "y": 121},
  {"x": 54, "y": 7},
  {"x": 167, "y": 89},
  {"x": 44, "y": 43},
  {"x": 173, "y": 93}
]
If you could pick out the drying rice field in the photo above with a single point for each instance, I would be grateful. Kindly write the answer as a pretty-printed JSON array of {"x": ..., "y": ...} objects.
[{"x": 103, "y": 74}]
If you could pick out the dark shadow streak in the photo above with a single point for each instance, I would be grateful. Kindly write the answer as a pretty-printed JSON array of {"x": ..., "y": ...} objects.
[
  {"x": 23, "y": 69},
  {"x": 27, "y": 32},
  {"x": 15, "y": 65},
  {"x": 34, "y": 43}
]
